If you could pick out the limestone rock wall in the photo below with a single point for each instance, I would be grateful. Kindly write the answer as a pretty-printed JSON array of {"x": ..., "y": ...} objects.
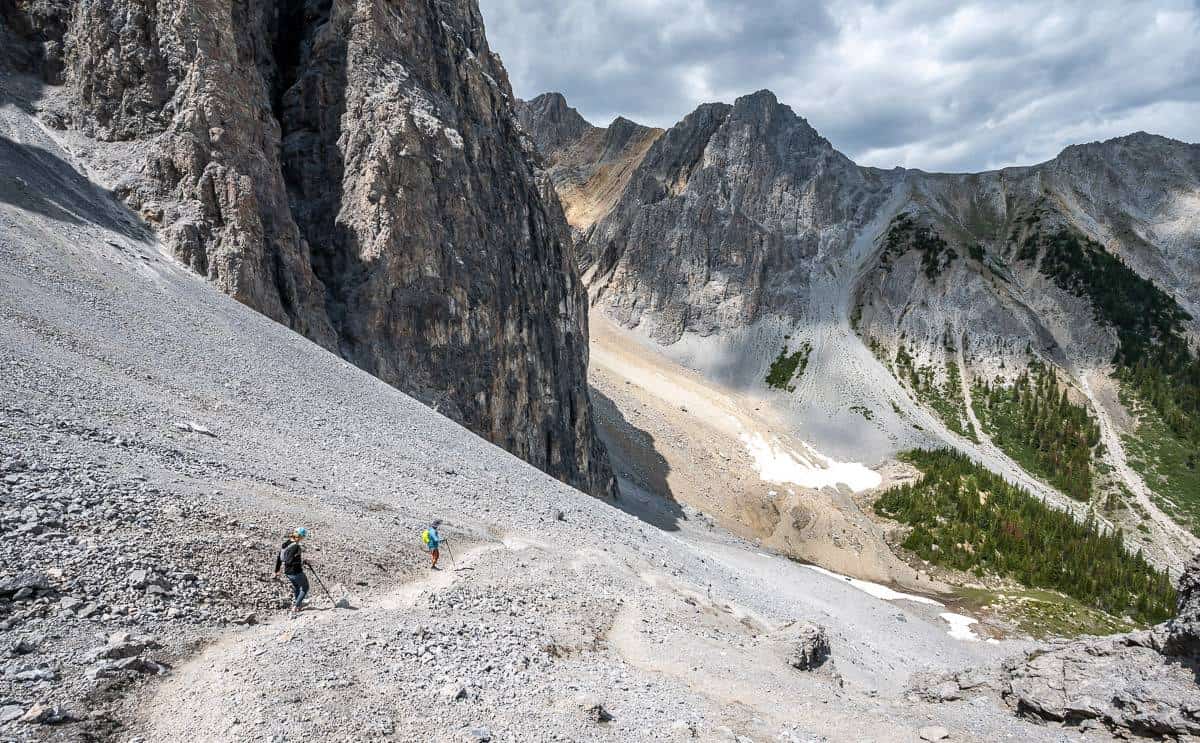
[{"x": 353, "y": 169}]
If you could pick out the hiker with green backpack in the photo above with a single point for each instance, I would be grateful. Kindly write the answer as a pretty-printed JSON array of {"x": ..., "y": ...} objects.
[{"x": 431, "y": 540}]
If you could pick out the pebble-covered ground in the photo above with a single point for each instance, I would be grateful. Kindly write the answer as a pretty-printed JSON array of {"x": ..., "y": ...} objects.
[{"x": 156, "y": 441}]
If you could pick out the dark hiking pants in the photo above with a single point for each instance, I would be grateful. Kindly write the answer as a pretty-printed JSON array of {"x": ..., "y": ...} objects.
[{"x": 299, "y": 587}]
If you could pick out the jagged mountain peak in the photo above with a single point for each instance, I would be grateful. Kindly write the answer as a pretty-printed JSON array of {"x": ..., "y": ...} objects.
[
  {"x": 621, "y": 123},
  {"x": 762, "y": 102},
  {"x": 550, "y": 99},
  {"x": 551, "y": 121},
  {"x": 1138, "y": 146},
  {"x": 764, "y": 106},
  {"x": 588, "y": 165},
  {"x": 763, "y": 95},
  {"x": 1133, "y": 139}
]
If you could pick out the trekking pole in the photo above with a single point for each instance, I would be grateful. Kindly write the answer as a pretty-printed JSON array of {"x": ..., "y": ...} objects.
[
  {"x": 321, "y": 583},
  {"x": 450, "y": 552}
]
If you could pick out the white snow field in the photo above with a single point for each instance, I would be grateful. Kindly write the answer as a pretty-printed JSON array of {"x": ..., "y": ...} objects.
[{"x": 776, "y": 462}]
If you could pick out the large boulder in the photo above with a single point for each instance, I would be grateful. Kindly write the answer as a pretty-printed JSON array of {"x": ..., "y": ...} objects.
[
  {"x": 1183, "y": 632},
  {"x": 810, "y": 649},
  {"x": 29, "y": 580},
  {"x": 123, "y": 645},
  {"x": 1123, "y": 682}
]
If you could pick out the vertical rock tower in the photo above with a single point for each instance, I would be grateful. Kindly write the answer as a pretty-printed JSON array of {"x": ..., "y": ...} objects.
[{"x": 352, "y": 169}]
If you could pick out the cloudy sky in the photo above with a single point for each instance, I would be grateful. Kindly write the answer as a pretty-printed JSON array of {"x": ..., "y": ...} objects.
[{"x": 939, "y": 85}]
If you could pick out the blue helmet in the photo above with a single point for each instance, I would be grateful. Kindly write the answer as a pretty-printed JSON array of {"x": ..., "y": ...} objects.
[{"x": 300, "y": 532}]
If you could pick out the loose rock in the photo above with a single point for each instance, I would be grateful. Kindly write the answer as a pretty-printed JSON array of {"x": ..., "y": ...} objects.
[{"x": 810, "y": 649}]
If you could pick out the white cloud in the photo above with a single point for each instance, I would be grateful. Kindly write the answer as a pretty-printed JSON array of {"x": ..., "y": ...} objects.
[{"x": 920, "y": 83}]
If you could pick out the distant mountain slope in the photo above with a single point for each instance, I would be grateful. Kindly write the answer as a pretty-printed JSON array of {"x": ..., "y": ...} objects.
[
  {"x": 722, "y": 219},
  {"x": 352, "y": 170},
  {"x": 589, "y": 166},
  {"x": 743, "y": 238}
]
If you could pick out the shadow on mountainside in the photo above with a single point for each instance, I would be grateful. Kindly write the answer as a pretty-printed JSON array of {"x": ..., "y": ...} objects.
[
  {"x": 39, "y": 181},
  {"x": 641, "y": 470}
]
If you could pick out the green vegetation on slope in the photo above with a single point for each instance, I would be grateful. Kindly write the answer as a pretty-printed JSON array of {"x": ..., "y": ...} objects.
[
  {"x": 1158, "y": 370},
  {"x": 1167, "y": 463},
  {"x": 1042, "y": 614},
  {"x": 945, "y": 399},
  {"x": 1153, "y": 355},
  {"x": 967, "y": 518},
  {"x": 1036, "y": 425},
  {"x": 904, "y": 234},
  {"x": 786, "y": 366},
  {"x": 1168, "y": 379},
  {"x": 1143, "y": 315}
]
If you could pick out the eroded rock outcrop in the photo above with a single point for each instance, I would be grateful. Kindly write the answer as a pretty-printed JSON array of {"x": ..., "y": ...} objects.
[
  {"x": 1144, "y": 682},
  {"x": 1122, "y": 682},
  {"x": 810, "y": 648},
  {"x": 353, "y": 169},
  {"x": 1183, "y": 632}
]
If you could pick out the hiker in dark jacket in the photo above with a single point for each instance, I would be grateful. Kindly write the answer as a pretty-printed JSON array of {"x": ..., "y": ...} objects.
[{"x": 292, "y": 562}]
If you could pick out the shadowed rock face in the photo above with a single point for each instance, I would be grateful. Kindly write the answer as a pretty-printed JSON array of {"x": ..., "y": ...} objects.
[
  {"x": 354, "y": 171},
  {"x": 551, "y": 123},
  {"x": 1183, "y": 632}
]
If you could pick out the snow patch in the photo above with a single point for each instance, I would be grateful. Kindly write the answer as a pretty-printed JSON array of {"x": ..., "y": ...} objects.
[
  {"x": 877, "y": 590},
  {"x": 960, "y": 625},
  {"x": 778, "y": 463}
]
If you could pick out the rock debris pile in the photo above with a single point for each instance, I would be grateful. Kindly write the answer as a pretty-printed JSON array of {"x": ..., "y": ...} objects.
[{"x": 1142, "y": 683}]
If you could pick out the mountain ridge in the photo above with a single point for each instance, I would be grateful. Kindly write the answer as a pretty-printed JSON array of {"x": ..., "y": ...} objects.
[
  {"x": 743, "y": 235},
  {"x": 1141, "y": 136}
]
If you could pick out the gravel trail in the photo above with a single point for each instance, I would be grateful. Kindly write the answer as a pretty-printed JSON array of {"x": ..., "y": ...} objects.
[{"x": 156, "y": 440}]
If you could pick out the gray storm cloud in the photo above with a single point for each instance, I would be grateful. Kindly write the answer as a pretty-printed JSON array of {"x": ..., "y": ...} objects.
[{"x": 934, "y": 85}]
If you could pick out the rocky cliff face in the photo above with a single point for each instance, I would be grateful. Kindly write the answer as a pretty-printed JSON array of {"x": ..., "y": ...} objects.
[
  {"x": 553, "y": 125},
  {"x": 352, "y": 169},
  {"x": 722, "y": 220}
]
